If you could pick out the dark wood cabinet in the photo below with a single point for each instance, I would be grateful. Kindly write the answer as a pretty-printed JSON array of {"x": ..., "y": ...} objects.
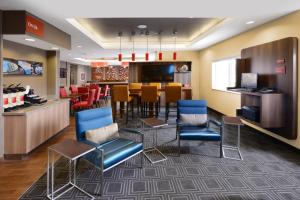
[{"x": 271, "y": 108}]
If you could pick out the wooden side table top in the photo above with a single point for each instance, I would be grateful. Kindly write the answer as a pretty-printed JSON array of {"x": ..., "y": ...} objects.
[
  {"x": 232, "y": 121},
  {"x": 154, "y": 122},
  {"x": 71, "y": 149}
]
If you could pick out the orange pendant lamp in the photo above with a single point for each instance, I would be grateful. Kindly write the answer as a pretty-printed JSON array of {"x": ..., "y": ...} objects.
[{"x": 174, "y": 53}]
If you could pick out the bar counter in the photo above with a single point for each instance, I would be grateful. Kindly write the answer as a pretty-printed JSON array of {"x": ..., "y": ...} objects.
[{"x": 26, "y": 129}]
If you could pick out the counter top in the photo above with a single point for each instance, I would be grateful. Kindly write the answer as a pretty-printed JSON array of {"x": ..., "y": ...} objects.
[{"x": 23, "y": 111}]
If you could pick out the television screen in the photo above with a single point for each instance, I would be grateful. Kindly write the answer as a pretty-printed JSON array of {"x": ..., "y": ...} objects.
[
  {"x": 157, "y": 73},
  {"x": 249, "y": 80},
  {"x": 21, "y": 67}
]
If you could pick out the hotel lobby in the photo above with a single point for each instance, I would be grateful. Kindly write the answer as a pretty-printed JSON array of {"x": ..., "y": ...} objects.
[{"x": 149, "y": 100}]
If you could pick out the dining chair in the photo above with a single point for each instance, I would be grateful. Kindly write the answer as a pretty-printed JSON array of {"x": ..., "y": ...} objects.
[
  {"x": 63, "y": 92},
  {"x": 149, "y": 100},
  {"x": 158, "y": 85},
  {"x": 83, "y": 91},
  {"x": 121, "y": 94},
  {"x": 97, "y": 94},
  {"x": 85, "y": 104},
  {"x": 136, "y": 94},
  {"x": 73, "y": 89},
  {"x": 173, "y": 94}
]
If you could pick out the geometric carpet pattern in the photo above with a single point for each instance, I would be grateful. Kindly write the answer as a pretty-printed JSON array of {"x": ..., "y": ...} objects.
[{"x": 270, "y": 170}]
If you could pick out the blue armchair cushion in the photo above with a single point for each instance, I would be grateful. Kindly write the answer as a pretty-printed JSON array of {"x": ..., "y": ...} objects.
[
  {"x": 115, "y": 151},
  {"x": 198, "y": 133}
]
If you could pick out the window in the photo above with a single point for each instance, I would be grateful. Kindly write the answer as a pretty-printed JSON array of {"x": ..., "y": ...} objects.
[{"x": 224, "y": 74}]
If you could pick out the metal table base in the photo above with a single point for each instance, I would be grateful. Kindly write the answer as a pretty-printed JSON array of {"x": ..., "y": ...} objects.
[
  {"x": 72, "y": 182},
  {"x": 234, "y": 148}
]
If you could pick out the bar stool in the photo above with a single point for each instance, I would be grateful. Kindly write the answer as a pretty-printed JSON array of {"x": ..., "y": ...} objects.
[
  {"x": 158, "y": 85},
  {"x": 173, "y": 94},
  {"x": 149, "y": 100},
  {"x": 121, "y": 94},
  {"x": 136, "y": 94},
  {"x": 174, "y": 84}
]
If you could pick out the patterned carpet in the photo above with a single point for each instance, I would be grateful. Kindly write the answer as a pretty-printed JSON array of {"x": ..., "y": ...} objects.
[{"x": 270, "y": 170}]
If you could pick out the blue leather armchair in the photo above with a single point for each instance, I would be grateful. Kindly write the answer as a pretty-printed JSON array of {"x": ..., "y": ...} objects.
[
  {"x": 186, "y": 131},
  {"x": 109, "y": 153}
]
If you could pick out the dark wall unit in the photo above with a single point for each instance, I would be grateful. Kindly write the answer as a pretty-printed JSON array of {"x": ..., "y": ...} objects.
[
  {"x": 276, "y": 65},
  {"x": 144, "y": 71}
]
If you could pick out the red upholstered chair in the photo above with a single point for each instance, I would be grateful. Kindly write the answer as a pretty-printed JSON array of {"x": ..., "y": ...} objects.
[
  {"x": 73, "y": 89},
  {"x": 63, "y": 92},
  {"x": 84, "y": 91},
  {"x": 105, "y": 93},
  {"x": 85, "y": 104},
  {"x": 97, "y": 94}
]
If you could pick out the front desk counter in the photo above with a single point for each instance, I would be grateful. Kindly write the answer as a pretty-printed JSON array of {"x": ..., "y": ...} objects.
[{"x": 25, "y": 129}]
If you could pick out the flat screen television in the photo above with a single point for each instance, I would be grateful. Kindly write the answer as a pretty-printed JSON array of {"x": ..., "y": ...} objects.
[
  {"x": 157, "y": 73},
  {"x": 249, "y": 80}
]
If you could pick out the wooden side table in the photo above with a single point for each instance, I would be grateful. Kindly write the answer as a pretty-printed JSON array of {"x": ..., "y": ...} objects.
[
  {"x": 236, "y": 121},
  {"x": 153, "y": 123},
  {"x": 72, "y": 150}
]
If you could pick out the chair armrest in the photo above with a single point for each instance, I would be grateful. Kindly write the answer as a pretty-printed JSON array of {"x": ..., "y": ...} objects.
[
  {"x": 215, "y": 122},
  {"x": 133, "y": 131}
]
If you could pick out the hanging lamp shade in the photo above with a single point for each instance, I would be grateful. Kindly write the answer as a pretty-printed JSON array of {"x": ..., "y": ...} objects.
[
  {"x": 174, "y": 55},
  {"x": 146, "y": 56},
  {"x": 160, "y": 56},
  {"x": 133, "y": 56},
  {"x": 120, "y": 54},
  {"x": 120, "y": 57}
]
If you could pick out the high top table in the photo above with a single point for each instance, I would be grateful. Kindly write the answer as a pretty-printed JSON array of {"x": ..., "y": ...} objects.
[
  {"x": 72, "y": 150},
  {"x": 236, "y": 121}
]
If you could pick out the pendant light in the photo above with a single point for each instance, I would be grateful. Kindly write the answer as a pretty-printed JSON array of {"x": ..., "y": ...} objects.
[
  {"x": 174, "y": 53},
  {"x": 160, "y": 53},
  {"x": 120, "y": 53},
  {"x": 147, "y": 53},
  {"x": 133, "y": 53}
]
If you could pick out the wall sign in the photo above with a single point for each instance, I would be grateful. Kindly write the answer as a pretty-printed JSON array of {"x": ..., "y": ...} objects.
[{"x": 34, "y": 26}]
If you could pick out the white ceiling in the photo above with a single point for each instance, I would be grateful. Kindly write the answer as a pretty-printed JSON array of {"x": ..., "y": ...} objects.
[{"x": 238, "y": 12}]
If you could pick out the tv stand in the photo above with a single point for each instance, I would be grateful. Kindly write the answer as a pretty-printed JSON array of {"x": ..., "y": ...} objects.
[{"x": 271, "y": 107}]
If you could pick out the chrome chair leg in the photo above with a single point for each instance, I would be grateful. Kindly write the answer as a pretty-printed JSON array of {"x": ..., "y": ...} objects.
[
  {"x": 142, "y": 160},
  {"x": 178, "y": 147}
]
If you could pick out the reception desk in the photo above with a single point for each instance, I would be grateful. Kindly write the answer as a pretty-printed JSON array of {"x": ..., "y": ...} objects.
[{"x": 25, "y": 129}]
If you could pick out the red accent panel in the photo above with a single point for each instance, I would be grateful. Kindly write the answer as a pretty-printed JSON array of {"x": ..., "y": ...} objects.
[
  {"x": 14, "y": 99},
  {"x": 5, "y": 101},
  {"x": 34, "y": 26}
]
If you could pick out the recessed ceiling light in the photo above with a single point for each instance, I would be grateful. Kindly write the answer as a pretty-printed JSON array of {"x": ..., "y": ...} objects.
[
  {"x": 250, "y": 22},
  {"x": 142, "y": 26},
  {"x": 79, "y": 46},
  {"x": 54, "y": 48},
  {"x": 30, "y": 39}
]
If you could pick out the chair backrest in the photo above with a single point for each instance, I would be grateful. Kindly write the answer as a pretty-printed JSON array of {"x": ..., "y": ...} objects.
[
  {"x": 149, "y": 93},
  {"x": 173, "y": 93},
  {"x": 97, "y": 92},
  {"x": 62, "y": 92},
  {"x": 91, "y": 97},
  {"x": 158, "y": 85},
  {"x": 83, "y": 90},
  {"x": 106, "y": 90},
  {"x": 135, "y": 85},
  {"x": 174, "y": 84},
  {"x": 120, "y": 93},
  {"x": 92, "y": 119},
  {"x": 191, "y": 107},
  {"x": 73, "y": 89}
]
